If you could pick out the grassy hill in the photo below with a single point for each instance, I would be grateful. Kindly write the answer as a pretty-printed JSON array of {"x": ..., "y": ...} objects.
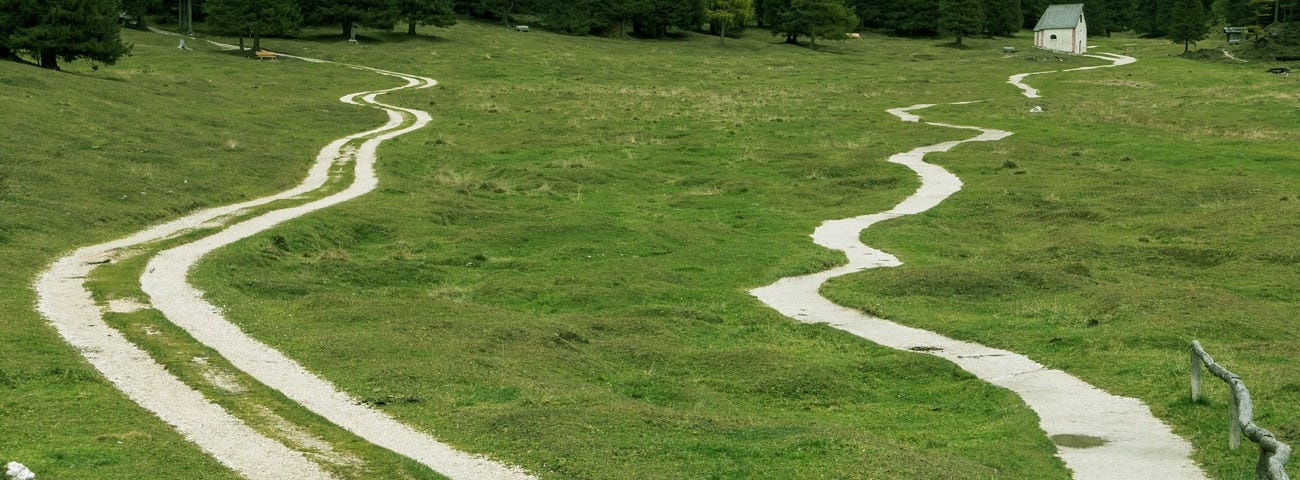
[{"x": 554, "y": 272}]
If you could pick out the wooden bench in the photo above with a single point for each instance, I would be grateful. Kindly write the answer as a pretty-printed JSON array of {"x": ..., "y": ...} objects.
[
  {"x": 1280, "y": 70},
  {"x": 265, "y": 55}
]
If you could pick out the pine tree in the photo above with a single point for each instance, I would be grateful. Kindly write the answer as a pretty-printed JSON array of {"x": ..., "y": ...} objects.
[
  {"x": 871, "y": 13},
  {"x": 254, "y": 18},
  {"x": 380, "y": 14},
  {"x": 1239, "y": 13},
  {"x": 1151, "y": 17},
  {"x": 437, "y": 13},
  {"x": 652, "y": 18},
  {"x": 53, "y": 30},
  {"x": 1002, "y": 18},
  {"x": 960, "y": 18},
  {"x": 826, "y": 19},
  {"x": 1107, "y": 16},
  {"x": 1032, "y": 9},
  {"x": 575, "y": 17},
  {"x": 1187, "y": 22},
  {"x": 137, "y": 10},
  {"x": 913, "y": 17}
]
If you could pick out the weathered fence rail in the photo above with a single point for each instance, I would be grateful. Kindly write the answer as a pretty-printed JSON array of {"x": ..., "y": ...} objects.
[{"x": 1273, "y": 454}]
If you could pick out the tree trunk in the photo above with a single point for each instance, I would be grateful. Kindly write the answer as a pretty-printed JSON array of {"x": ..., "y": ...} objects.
[
  {"x": 187, "y": 17},
  {"x": 49, "y": 59},
  {"x": 241, "y": 42},
  {"x": 723, "y": 37},
  {"x": 959, "y": 40},
  {"x": 410, "y": 26},
  {"x": 257, "y": 41},
  {"x": 347, "y": 28}
]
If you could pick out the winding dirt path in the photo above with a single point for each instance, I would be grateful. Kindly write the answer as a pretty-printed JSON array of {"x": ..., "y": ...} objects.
[
  {"x": 66, "y": 302},
  {"x": 1137, "y": 445}
]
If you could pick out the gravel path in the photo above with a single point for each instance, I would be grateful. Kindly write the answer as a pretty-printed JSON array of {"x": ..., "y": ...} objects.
[
  {"x": 165, "y": 282},
  {"x": 1137, "y": 445},
  {"x": 64, "y": 300},
  {"x": 1116, "y": 60}
]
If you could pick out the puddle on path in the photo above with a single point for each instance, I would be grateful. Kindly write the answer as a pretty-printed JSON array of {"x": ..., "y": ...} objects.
[{"x": 1078, "y": 441}]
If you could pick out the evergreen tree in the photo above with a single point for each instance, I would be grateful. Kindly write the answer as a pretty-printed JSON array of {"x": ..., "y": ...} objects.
[
  {"x": 380, "y": 14},
  {"x": 827, "y": 19},
  {"x": 1238, "y": 13},
  {"x": 768, "y": 12},
  {"x": 1263, "y": 11},
  {"x": 1208, "y": 13},
  {"x": 1187, "y": 22},
  {"x": 437, "y": 13},
  {"x": 1002, "y": 18},
  {"x": 254, "y": 18},
  {"x": 652, "y": 18},
  {"x": 1151, "y": 17},
  {"x": 1033, "y": 10},
  {"x": 914, "y": 17},
  {"x": 575, "y": 17},
  {"x": 871, "y": 13},
  {"x": 961, "y": 18},
  {"x": 13, "y": 14},
  {"x": 53, "y": 30},
  {"x": 728, "y": 13},
  {"x": 136, "y": 10},
  {"x": 1106, "y": 16},
  {"x": 500, "y": 9}
]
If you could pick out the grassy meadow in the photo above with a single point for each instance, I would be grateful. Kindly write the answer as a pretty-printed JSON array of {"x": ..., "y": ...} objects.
[{"x": 554, "y": 272}]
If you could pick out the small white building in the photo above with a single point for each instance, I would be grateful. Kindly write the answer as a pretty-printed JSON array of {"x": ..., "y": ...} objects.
[{"x": 1062, "y": 28}]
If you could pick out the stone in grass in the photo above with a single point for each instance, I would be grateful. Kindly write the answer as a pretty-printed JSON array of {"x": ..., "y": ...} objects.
[{"x": 18, "y": 471}]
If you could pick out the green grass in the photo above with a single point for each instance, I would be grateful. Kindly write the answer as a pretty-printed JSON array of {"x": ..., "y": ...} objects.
[
  {"x": 1122, "y": 224},
  {"x": 554, "y": 272}
]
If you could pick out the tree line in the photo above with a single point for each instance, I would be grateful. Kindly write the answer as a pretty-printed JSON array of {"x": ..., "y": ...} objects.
[{"x": 54, "y": 30}]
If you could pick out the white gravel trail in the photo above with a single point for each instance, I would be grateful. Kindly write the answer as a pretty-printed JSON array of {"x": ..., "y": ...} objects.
[
  {"x": 1116, "y": 60},
  {"x": 65, "y": 301},
  {"x": 165, "y": 282},
  {"x": 1137, "y": 445}
]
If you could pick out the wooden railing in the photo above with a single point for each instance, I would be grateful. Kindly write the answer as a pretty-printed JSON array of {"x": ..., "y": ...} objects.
[{"x": 1273, "y": 454}]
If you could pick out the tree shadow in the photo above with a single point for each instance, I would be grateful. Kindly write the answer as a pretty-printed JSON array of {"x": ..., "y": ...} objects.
[
  {"x": 955, "y": 46},
  {"x": 403, "y": 37},
  {"x": 373, "y": 37}
]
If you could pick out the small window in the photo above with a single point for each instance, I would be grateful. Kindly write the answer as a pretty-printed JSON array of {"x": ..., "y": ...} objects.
[{"x": 1053, "y": 36}]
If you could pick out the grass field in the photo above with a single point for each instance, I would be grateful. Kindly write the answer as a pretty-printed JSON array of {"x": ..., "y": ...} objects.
[{"x": 555, "y": 271}]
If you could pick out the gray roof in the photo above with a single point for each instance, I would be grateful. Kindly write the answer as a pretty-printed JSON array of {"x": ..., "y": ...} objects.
[{"x": 1060, "y": 16}]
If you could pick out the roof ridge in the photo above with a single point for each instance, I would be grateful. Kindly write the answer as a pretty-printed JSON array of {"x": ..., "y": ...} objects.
[{"x": 1063, "y": 15}]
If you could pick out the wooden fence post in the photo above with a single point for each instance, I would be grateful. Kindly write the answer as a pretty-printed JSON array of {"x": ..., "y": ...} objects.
[{"x": 1273, "y": 455}]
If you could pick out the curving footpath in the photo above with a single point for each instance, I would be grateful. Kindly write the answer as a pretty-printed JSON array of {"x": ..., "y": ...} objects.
[
  {"x": 1116, "y": 60},
  {"x": 1136, "y": 444},
  {"x": 65, "y": 301}
]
